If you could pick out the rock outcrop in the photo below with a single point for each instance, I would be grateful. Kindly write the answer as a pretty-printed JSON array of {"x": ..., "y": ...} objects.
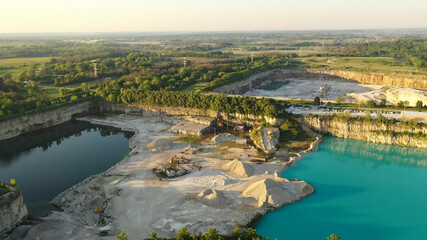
[
  {"x": 266, "y": 138},
  {"x": 12, "y": 210},
  {"x": 85, "y": 197},
  {"x": 159, "y": 145},
  {"x": 371, "y": 131},
  {"x": 254, "y": 81},
  {"x": 192, "y": 128},
  {"x": 35, "y": 121},
  {"x": 227, "y": 137},
  {"x": 415, "y": 82}
]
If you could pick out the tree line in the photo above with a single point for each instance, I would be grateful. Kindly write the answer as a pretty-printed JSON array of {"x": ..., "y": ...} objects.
[
  {"x": 413, "y": 50},
  {"x": 220, "y": 103}
]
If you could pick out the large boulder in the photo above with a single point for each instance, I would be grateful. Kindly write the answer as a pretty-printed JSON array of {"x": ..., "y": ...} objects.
[
  {"x": 12, "y": 209},
  {"x": 266, "y": 138}
]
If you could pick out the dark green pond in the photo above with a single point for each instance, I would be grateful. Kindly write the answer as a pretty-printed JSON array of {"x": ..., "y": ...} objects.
[{"x": 47, "y": 162}]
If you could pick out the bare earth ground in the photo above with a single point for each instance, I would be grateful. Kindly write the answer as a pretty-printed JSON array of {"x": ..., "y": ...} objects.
[{"x": 138, "y": 203}]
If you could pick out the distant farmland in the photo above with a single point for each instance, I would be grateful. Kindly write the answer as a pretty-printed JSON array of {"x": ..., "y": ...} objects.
[{"x": 15, "y": 66}]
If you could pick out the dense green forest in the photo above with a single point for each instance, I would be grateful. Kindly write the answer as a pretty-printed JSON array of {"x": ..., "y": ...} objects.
[
  {"x": 221, "y": 103},
  {"x": 152, "y": 71},
  {"x": 413, "y": 50},
  {"x": 85, "y": 51},
  {"x": 135, "y": 75}
]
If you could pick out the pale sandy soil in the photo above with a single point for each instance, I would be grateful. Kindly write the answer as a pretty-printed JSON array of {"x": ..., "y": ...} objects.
[{"x": 139, "y": 203}]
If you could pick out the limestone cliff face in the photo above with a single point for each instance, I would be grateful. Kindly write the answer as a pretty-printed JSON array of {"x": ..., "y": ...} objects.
[
  {"x": 376, "y": 79},
  {"x": 340, "y": 128},
  {"x": 258, "y": 80},
  {"x": 31, "y": 122},
  {"x": 247, "y": 84},
  {"x": 146, "y": 110},
  {"x": 369, "y": 131},
  {"x": 12, "y": 210}
]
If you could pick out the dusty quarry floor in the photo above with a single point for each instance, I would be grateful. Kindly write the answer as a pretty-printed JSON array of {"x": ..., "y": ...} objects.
[
  {"x": 306, "y": 89},
  {"x": 349, "y": 91}
]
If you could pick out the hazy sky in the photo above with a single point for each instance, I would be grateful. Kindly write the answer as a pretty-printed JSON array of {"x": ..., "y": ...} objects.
[{"x": 17, "y": 16}]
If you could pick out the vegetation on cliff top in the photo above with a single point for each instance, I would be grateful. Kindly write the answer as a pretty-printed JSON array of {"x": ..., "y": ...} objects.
[
  {"x": 212, "y": 234},
  {"x": 220, "y": 103},
  {"x": 292, "y": 130},
  {"x": 379, "y": 119},
  {"x": 5, "y": 187}
]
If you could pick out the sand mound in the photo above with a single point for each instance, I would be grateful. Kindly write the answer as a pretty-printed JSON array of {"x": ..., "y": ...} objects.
[
  {"x": 239, "y": 168},
  {"x": 212, "y": 197},
  {"x": 277, "y": 192},
  {"x": 159, "y": 145}
]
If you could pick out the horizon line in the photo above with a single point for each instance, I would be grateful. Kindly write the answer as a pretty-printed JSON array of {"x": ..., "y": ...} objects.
[{"x": 219, "y": 31}]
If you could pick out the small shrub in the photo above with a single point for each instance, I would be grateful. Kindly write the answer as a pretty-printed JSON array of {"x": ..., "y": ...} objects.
[
  {"x": 334, "y": 237},
  {"x": 371, "y": 104},
  {"x": 122, "y": 236},
  {"x": 368, "y": 116},
  {"x": 419, "y": 105},
  {"x": 183, "y": 234},
  {"x": 381, "y": 118},
  {"x": 13, "y": 182},
  {"x": 212, "y": 234}
]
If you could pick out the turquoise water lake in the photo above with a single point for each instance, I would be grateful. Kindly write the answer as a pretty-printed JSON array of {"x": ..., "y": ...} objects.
[
  {"x": 46, "y": 163},
  {"x": 363, "y": 191}
]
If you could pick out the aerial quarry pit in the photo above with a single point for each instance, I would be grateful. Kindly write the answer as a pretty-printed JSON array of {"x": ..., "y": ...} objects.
[
  {"x": 223, "y": 178},
  {"x": 348, "y": 91}
]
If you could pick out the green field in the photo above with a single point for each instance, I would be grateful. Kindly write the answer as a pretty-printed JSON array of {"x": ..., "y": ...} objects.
[
  {"x": 52, "y": 92},
  {"x": 89, "y": 83},
  {"x": 15, "y": 66},
  {"x": 304, "y": 51},
  {"x": 197, "y": 86},
  {"x": 385, "y": 65}
]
